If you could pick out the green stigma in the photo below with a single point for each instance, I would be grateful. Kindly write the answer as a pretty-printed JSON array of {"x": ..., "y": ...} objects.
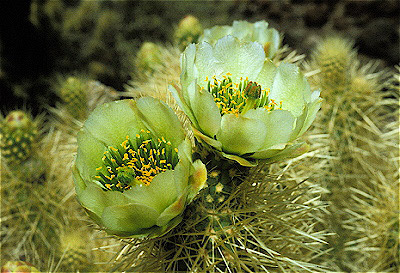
[
  {"x": 236, "y": 98},
  {"x": 136, "y": 162}
]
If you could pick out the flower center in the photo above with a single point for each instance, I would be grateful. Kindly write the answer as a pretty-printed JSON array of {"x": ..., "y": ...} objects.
[
  {"x": 235, "y": 98},
  {"x": 136, "y": 162}
]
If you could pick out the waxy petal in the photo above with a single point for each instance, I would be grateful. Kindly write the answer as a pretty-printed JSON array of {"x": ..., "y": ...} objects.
[
  {"x": 206, "y": 64},
  {"x": 154, "y": 195},
  {"x": 242, "y": 161},
  {"x": 304, "y": 121},
  {"x": 129, "y": 219},
  {"x": 267, "y": 74},
  {"x": 172, "y": 211},
  {"x": 197, "y": 179},
  {"x": 159, "y": 119},
  {"x": 90, "y": 153},
  {"x": 96, "y": 200},
  {"x": 239, "y": 58},
  {"x": 240, "y": 135},
  {"x": 112, "y": 122},
  {"x": 205, "y": 110},
  {"x": 278, "y": 123},
  {"x": 290, "y": 87}
]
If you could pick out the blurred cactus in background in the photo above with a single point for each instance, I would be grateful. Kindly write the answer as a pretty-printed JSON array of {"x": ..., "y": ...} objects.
[
  {"x": 188, "y": 31},
  {"x": 148, "y": 59},
  {"x": 79, "y": 96},
  {"x": 361, "y": 120},
  {"x": 334, "y": 57},
  {"x": 74, "y": 251},
  {"x": 73, "y": 93},
  {"x": 18, "y": 137}
]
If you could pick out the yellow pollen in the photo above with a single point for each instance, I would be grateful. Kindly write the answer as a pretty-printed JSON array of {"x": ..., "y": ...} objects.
[
  {"x": 124, "y": 144},
  {"x": 112, "y": 148},
  {"x": 99, "y": 168},
  {"x": 176, "y": 149}
]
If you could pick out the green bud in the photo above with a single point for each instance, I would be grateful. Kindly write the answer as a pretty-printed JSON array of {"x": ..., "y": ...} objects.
[
  {"x": 18, "y": 136},
  {"x": 148, "y": 58},
  {"x": 188, "y": 31}
]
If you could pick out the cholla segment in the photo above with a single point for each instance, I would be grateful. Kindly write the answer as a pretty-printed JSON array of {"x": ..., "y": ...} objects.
[{"x": 136, "y": 161}]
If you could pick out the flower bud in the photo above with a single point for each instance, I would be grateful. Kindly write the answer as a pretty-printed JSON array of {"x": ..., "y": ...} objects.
[
  {"x": 188, "y": 31},
  {"x": 18, "y": 136}
]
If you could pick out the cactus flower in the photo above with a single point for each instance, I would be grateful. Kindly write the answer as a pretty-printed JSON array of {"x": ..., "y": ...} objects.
[
  {"x": 259, "y": 32},
  {"x": 241, "y": 104},
  {"x": 133, "y": 171}
]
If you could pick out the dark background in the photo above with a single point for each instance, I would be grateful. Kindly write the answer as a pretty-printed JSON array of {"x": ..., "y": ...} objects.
[{"x": 101, "y": 41}]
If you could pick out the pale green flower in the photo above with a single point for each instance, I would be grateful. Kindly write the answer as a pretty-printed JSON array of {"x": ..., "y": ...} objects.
[
  {"x": 249, "y": 32},
  {"x": 241, "y": 103},
  {"x": 133, "y": 171}
]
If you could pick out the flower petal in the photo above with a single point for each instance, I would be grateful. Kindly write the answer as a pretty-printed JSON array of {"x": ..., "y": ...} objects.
[
  {"x": 242, "y": 30},
  {"x": 266, "y": 76},
  {"x": 79, "y": 183},
  {"x": 263, "y": 35},
  {"x": 172, "y": 211},
  {"x": 247, "y": 162},
  {"x": 290, "y": 87},
  {"x": 89, "y": 155},
  {"x": 241, "y": 59},
  {"x": 94, "y": 199},
  {"x": 278, "y": 123},
  {"x": 313, "y": 108},
  {"x": 211, "y": 35},
  {"x": 189, "y": 73},
  {"x": 210, "y": 141},
  {"x": 206, "y": 64},
  {"x": 240, "y": 135},
  {"x": 197, "y": 179},
  {"x": 129, "y": 219},
  {"x": 112, "y": 122},
  {"x": 205, "y": 110},
  {"x": 161, "y": 192},
  {"x": 159, "y": 119},
  {"x": 273, "y": 155},
  {"x": 183, "y": 168},
  {"x": 304, "y": 121},
  {"x": 182, "y": 103}
]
